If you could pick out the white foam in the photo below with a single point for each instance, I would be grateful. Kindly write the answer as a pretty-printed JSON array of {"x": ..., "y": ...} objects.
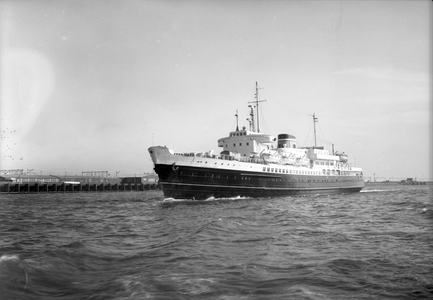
[
  {"x": 13, "y": 267},
  {"x": 208, "y": 199},
  {"x": 226, "y": 198},
  {"x": 376, "y": 191},
  {"x": 5, "y": 257}
]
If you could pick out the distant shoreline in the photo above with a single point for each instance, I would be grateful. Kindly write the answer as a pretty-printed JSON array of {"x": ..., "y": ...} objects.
[{"x": 397, "y": 182}]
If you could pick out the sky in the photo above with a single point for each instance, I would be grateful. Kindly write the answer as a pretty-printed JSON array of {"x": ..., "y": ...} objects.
[{"x": 91, "y": 85}]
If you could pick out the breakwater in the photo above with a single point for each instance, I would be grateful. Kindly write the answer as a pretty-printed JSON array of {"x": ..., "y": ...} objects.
[{"x": 47, "y": 187}]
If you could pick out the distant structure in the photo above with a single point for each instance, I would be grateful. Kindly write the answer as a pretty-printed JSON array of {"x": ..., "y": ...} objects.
[
  {"x": 95, "y": 173},
  {"x": 12, "y": 172},
  {"x": 411, "y": 181}
]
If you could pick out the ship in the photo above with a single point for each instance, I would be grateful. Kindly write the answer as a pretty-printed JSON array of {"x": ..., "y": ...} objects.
[{"x": 253, "y": 164}]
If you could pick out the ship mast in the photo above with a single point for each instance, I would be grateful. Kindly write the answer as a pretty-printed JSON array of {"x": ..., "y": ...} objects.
[
  {"x": 237, "y": 123},
  {"x": 256, "y": 102},
  {"x": 251, "y": 118},
  {"x": 314, "y": 123}
]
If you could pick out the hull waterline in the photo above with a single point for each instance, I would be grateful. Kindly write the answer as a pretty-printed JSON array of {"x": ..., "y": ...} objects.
[{"x": 183, "y": 182}]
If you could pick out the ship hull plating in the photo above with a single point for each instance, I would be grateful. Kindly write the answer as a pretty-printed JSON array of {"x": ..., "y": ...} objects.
[{"x": 188, "y": 182}]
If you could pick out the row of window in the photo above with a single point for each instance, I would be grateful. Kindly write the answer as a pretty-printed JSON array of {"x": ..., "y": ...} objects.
[
  {"x": 324, "y": 163},
  {"x": 287, "y": 171},
  {"x": 310, "y": 172},
  {"x": 302, "y": 172},
  {"x": 238, "y": 134},
  {"x": 240, "y": 144}
]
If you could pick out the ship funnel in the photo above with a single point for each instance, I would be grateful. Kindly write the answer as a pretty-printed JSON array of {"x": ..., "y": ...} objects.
[{"x": 286, "y": 141}]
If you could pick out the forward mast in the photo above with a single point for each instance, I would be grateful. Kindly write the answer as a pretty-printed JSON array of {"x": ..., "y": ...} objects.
[{"x": 256, "y": 105}]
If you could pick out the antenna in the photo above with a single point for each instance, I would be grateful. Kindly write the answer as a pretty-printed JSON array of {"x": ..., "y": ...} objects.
[{"x": 257, "y": 106}]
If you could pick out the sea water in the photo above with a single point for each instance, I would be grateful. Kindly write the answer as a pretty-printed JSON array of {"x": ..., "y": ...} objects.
[{"x": 376, "y": 244}]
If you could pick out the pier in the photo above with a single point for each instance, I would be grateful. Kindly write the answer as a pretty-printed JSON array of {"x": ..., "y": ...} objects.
[
  {"x": 35, "y": 187},
  {"x": 99, "y": 181}
]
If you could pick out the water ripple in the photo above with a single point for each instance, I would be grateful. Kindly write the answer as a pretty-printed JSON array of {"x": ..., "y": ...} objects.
[{"x": 376, "y": 244}]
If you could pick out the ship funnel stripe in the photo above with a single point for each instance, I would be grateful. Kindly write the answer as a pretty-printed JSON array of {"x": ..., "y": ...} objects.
[{"x": 284, "y": 136}]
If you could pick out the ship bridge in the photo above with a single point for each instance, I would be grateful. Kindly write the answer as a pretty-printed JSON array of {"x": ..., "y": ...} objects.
[{"x": 247, "y": 142}]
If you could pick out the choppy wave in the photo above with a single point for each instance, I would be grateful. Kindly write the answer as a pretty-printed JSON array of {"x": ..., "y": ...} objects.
[{"x": 376, "y": 244}]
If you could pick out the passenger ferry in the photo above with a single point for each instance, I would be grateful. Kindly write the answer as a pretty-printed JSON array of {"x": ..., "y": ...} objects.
[{"x": 254, "y": 164}]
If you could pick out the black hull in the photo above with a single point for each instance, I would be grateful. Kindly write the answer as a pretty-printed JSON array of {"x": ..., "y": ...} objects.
[{"x": 185, "y": 182}]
